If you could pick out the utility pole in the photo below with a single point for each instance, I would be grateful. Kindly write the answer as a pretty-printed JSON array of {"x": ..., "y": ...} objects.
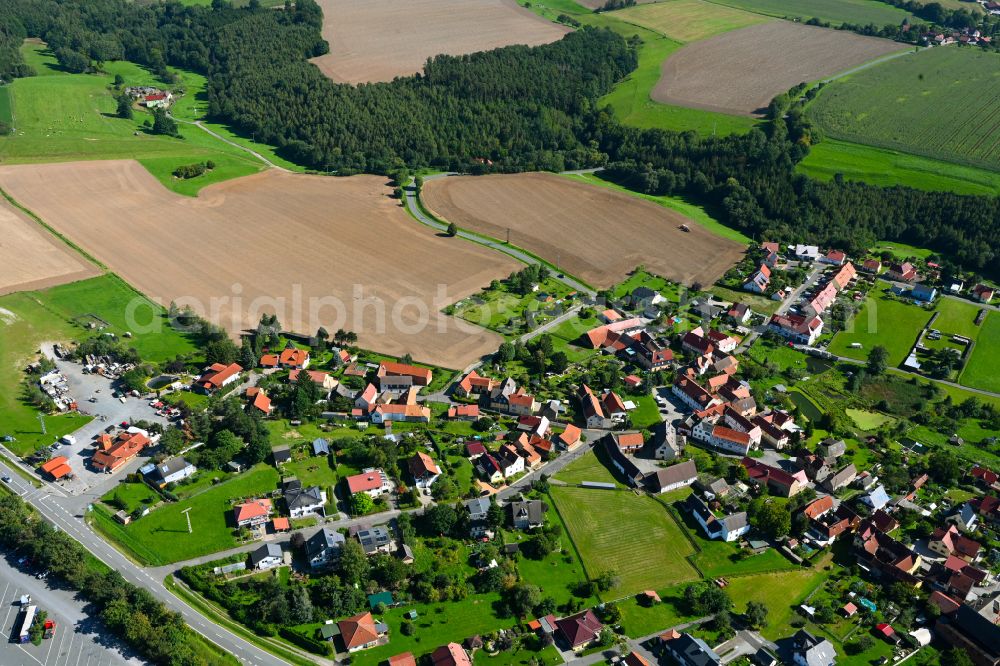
[
  {"x": 188, "y": 516},
  {"x": 41, "y": 419}
]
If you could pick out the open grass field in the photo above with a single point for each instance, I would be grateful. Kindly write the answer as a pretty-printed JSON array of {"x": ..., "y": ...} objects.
[
  {"x": 983, "y": 369},
  {"x": 62, "y": 117},
  {"x": 310, "y": 248},
  {"x": 32, "y": 258},
  {"x": 880, "y": 166},
  {"x": 162, "y": 536},
  {"x": 27, "y": 319},
  {"x": 957, "y": 317},
  {"x": 835, "y": 12},
  {"x": 688, "y": 20},
  {"x": 595, "y": 233},
  {"x": 378, "y": 40},
  {"x": 869, "y": 421},
  {"x": 631, "y": 534},
  {"x": 6, "y": 111},
  {"x": 780, "y": 592},
  {"x": 739, "y": 72},
  {"x": 587, "y": 467},
  {"x": 892, "y": 324},
  {"x": 940, "y": 103}
]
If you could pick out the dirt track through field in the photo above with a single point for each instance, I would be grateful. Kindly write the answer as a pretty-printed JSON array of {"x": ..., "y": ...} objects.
[
  {"x": 378, "y": 40},
  {"x": 740, "y": 72},
  {"x": 32, "y": 258},
  {"x": 594, "y": 233},
  {"x": 274, "y": 240}
]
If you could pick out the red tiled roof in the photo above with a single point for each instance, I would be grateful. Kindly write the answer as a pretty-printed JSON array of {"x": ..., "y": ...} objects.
[
  {"x": 422, "y": 464},
  {"x": 818, "y": 507},
  {"x": 405, "y": 659},
  {"x": 293, "y": 357},
  {"x": 402, "y": 369},
  {"x": 125, "y": 447},
  {"x": 252, "y": 509},
  {"x": 218, "y": 373},
  {"x": 580, "y": 629},
  {"x": 358, "y": 630},
  {"x": 451, "y": 654},
  {"x": 629, "y": 440},
  {"x": 262, "y": 402},
  {"x": 315, "y": 375},
  {"x": 365, "y": 481},
  {"x": 280, "y": 524},
  {"x": 570, "y": 436}
]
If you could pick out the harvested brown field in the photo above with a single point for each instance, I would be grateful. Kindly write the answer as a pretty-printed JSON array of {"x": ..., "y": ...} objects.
[
  {"x": 378, "y": 40},
  {"x": 32, "y": 258},
  {"x": 740, "y": 72},
  {"x": 595, "y": 233},
  {"x": 336, "y": 252}
]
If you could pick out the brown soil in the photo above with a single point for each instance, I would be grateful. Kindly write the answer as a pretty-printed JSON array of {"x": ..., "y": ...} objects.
[
  {"x": 740, "y": 72},
  {"x": 595, "y": 233},
  {"x": 378, "y": 40},
  {"x": 32, "y": 258},
  {"x": 267, "y": 238}
]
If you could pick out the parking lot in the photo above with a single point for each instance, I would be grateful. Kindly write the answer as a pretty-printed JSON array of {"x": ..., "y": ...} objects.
[
  {"x": 79, "y": 639},
  {"x": 107, "y": 411}
]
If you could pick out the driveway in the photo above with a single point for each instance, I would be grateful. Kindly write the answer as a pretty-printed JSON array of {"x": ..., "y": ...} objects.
[{"x": 744, "y": 643}]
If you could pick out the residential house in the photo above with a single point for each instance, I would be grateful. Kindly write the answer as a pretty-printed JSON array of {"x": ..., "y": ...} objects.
[
  {"x": 609, "y": 316},
  {"x": 113, "y": 453},
  {"x": 281, "y": 454},
  {"x": 822, "y": 299},
  {"x": 174, "y": 470},
  {"x": 807, "y": 252},
  {"x": 840, "y": 479},
  {"x": 629, "y": 442},
  {"x": 451, "y": 654},
  {"x": 252, "y": 513},
  {"x": 260, "y": 402},
  {"x": 374, "y": 539},
  {"x": 420, "y": 376},
  {"x": 569, "y": 438},
  {"x": 409, "y": 413},
  {"x": 669, "y": 444},
  {"x": 375, "y": 482},
  {"x": 292, "y": 358},
  {"x": 324, "y": 380},
  {"x": 603, "y": 412},
  {"x": 810, "y": 650},
  {"x": 324, "y": 547},
  {"x": 770, "y": 432},
  {"x": 739, "y": 314},
  {"x": 843, "y": 276},
  {"x": 884, "y": 556},
  {"x": 474, "y": 384},
  {"x": 687, "y": 650},
  {"x": 949, "y": 541},
  {"x": 527, "y": 514},
  {"x": 983, "y": 293},
  {"x": 517, "y": 403},
  {"x": 770, "y": 251},
  {"x": 723, "y": 342},
  {"x": 834, "y": 258},
  {"x": 728, "y": 528},
  {"x": 692, "y": 394},
  {"x": 266, "y": 557},
  {"x": 709, "y": 432},
  {"x": 478, "y": 509},
  {"x": 510, "y": 462},
  {"x": 871, "y": 266},
  {"x": 671, "y": 478},
  {"x": 923, "y": 293},
  {"x": 759, "y": 281},
  {"x": 464, "y": 413},
  {"x": 361, "y": 632},
  {"x": 901, "y": 272},
  {"x": 489, "y": 468},
  {"x": 642, "y": 298},
  {"x": 777, "y": 480},
  {"x": 367, "y": 398},
  {"x": 652, "y": 354},
  {"x": 797, "y": 328},
  {"x": 973, "y": 633},
  {"x": 474, "y": 449},
  {"x": 580, "y": 630},
  {"x": 819, "y": 507},
  {"x": 697, "y": 343},
  {"x": 609, "y": 335},
  {"x": 831, "y": 448},
  {"x": 423, "y": 470},
  {"x": 876, "y": 497},
  {"x": 306, "y": 501},
  {"x": 218, "y": 375}
]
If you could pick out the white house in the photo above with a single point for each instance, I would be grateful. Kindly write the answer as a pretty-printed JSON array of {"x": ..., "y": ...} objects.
[
  {"x": 305, "y": 501},
  {"x": 266, "y": 557},
  {"x": 807, "y": 252},
  {"x": 174, "y": 470},
  {"x": 375, "y": 482}
]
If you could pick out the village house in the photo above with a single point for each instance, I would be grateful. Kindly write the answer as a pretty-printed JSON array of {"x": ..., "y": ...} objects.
[
  {"x": 806, "y": 252},
  {"x": 834, "y": 258},
  {"x": 473, "y": 384},
  {"x": 949, "y": 542},
  {"x": 739, "y": 314},
  {"x": 775, "y": 428},
  {"x": 266, "y": 557},
  {"x": 709, "y": 431},
  {"x": 770, "y": 251},
  {"x": 609, "y": 336},
  {"x": 420, "y": 376},
  {"x": 292, "y": 358},
  {"x": 759, "y": 281},
  {"x": 687, "y": 650},
  {"x": 983, "y": 293},
  {"x": 840, "y": 479},
  {"x": 570, "y": 438},
  {"x": 901, "y": 272},
  {"x": 252, "y": 513},
  {"x": 423, "y": 470},
  {"x": 361, "y": 632},
  {"x": 374, "y": 482},
  {"x": 410, "y": 413},
  {"x": 668, "y": 443},
  {"x": 259, "y": 401},
  {"x": 970, "y": 631},
  {"x": 464, "y": 413},
  {"x": 112, "y": 453},
  {"x": 478, "y": 509},
  {"x": 797, "y": 328},
  {"x": 776, "y": 479},
  {"x": 809, "y": 650},
  {"x": 509, "y": 461},
  {"x": 218, "y": 375},
  {"x": 671, "y": 478},
  {"x": 652, "y": 354},
  {"x": 489, "y": 468},
  {"x": 579, "y": 631},
  {"x": 728, "y": 528},
  {"x": 884, "y": 556},
  {"x": 692, "y": 394},
  {"x": 628, "y": 442},
  {"x": 451, "y": 654},
  {"x": 324, "y": 547},
  {"x": 324, "y": 380},
  {"x": 174, "y": 470},
  {"x": 604, "y": 412},
  {"x": 306, "y": 501},
  {"x": 373, "y": 540},
  {"x": 527, "y": 515},
  {"x": 871, "y": 266},
  {"x": 696, "y": 342}
]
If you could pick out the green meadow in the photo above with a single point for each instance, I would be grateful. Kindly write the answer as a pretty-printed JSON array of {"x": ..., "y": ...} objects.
[{"x": 831, "y": 11}]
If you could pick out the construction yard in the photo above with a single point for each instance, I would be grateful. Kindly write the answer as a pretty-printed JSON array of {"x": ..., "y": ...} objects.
[
  {"x": 378, "y": 40},
  {"x": 595, "y": 233},
  {"x": 310, "y": 248},
  {"x": 739, "y": 72},
  {"x": 32, "y": 258}
]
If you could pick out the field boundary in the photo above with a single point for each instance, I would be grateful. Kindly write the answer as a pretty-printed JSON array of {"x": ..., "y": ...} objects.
[
  {"x": 572, "y": 541},
  {"x": 27, "y": 211}
]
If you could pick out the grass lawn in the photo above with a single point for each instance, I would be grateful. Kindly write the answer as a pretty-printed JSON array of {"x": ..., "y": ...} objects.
[
  {"x": 958, "y": 317},
  {"x": 892, "y": 324},
  {"x": 901, "y": 251},
  {"x": 586, "y": 468},
  {"x": 521, "y": 656},
  {"x": 133, "y": 495},
  {"x": 62, "y": 116},
  {"x": 162, "y": 536},
  {"x": 696, "y": 213},
  {"x": 559, "y": 573},
  {"x": 641, "y": 620},
  {"x": 983, "y": 369},
  {"x": 631, "y": 534},
  {"x": 6, "y": 111},
  {"x": 868, "y": 420},
  {"x": 646, "y": 413},
  {"x": 718, "y": 558},
  {"x": 834, "y": 11},
  {"x": 780, "y": 592},
  {"x": 46, "y": 316},
  {"x": 756, "y": 302},
  {"x": 504, "y": 311},
  {"x": 881, "y": 166},
  {"x": 688, "y": 20},
  {"x": 312, "y": 471}
]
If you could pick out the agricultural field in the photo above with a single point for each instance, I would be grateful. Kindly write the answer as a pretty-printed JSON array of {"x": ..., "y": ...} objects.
[
  {"x": 739, "y": 72},
  {"x": 61, "y": 117},
  {"x": 304, "y": 246},
  {"x": 162, "y": 537},
  {"x": 688, "y": 20},
  {"x": 628, "y": 533},
  {"x": 880, "y": 166},
  {"x": 27, "y": 319},
  {"x": 983, "y": 368},
  {"x": 32, "y": 258},
  {"x": 378, "y": 40},
  {"x": 570, "y": 224},
  {"x": 938, "y": 103},
  {"x": 836, "y": 12},
  {"x": 882, "y": 321}
]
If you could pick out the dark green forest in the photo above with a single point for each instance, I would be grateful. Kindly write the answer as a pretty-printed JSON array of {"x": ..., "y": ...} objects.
[{"x": 521, "y": 108}]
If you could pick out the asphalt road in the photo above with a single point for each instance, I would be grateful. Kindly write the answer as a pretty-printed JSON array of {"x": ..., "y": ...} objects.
[{"x": 80, "y": 639}]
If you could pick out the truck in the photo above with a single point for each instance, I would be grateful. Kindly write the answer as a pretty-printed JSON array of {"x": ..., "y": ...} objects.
[
  {"x": 49, "y": 628},
  {"x": 29, "y": 616}
]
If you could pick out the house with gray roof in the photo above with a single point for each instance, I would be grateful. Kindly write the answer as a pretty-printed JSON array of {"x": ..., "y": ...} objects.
[
  {"x": 808, "y": 650},
  {"x": 840, "y": 479},
  {"x": 320, "y": 447},
  {"x": 690, "y": 651},
  {"x": 527, "y": 514},
  {"x": 266, "y": 557},
  {"x": 671, "y": 478},
  {"x": 727, "y": 528},
  {"x": 832, "y": 448},
  {"x": 374, "y": 539},
  {"x": 876, "y": 498},
  {"x": 478, "y": 509},
  {"x": 174, "y": 470},
  {"x": 323, "y": 548},
  {"x": 304, "y": 501}
]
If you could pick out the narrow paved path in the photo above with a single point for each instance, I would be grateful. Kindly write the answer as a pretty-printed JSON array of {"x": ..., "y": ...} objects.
[{"x": 200, "y": 125}]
